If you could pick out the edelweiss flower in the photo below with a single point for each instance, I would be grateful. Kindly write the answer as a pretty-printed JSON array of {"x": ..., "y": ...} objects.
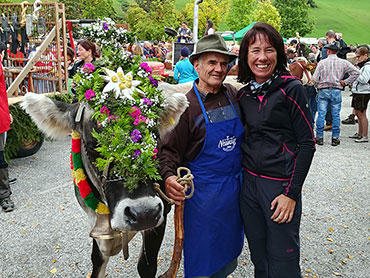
[{"x": 120, "y": 83}]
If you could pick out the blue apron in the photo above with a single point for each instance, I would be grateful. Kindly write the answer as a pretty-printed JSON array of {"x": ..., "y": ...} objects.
[{"x": 213, "y": 230}]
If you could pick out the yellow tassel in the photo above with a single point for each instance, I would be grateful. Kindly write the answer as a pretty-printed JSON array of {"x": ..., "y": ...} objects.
[
  {"x": 75, "y": 135},
  {"x": 79, "y": 175},
  {"x": 102, "y": 209}
]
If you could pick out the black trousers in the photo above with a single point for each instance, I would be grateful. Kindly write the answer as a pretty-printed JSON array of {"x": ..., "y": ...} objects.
[{"x": 275, "y": 248}]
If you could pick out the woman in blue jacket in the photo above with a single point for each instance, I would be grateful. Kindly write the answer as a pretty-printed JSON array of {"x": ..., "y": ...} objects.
[{"x": 184, "y": 70}]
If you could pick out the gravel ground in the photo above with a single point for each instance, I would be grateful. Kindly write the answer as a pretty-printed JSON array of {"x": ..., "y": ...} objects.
[{"x": 47, "y": 234}]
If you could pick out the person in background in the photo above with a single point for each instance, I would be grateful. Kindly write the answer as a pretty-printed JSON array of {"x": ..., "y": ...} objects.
[
  {"x": 136, "y": 49},
  {"x": 210, "y": 29},
  {"x": 291, "y": 56},
  {"x": 184, "y": 70},
  {"x": 234, "y": 49},
  {"x": 147, "y": 50},
  {"x": 329, "y": 80},
  {"x": 207, "y": 140},
  {"x": 5, "y": 120},
  {"x": 184, "y": 34},
  {"x": 86, "y": 53},
  {"x": 277, "y": 153},
  {"x": 361, "y": 95}
]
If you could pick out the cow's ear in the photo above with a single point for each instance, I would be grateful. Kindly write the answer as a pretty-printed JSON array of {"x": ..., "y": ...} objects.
[
  {"x": 176, "y": 105},
  {"x": 54, "y": 118}
]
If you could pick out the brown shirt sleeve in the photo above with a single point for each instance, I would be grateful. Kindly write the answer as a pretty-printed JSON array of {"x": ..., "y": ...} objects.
[{"x": 185, "y": 141}]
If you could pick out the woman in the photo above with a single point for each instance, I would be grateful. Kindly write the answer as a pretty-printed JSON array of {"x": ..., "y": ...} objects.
[
  {"x": 184, "y": 70},
  {"x": 210, "y": 30},
  {"x": 277, "y": 153},
  {"x": 361, "y": 95},
  {"x": 86, "y": 53},
  {"x": 138, "y": 50}
]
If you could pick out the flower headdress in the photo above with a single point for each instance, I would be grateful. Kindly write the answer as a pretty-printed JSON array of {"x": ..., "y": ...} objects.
[{"x": 127, "y": 104}]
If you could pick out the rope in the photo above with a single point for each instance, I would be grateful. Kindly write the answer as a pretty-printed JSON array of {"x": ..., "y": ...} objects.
[
  {"x": 24, "y": 10},
  {"x": 36, "y": 7},
  {"x": 186, "y": 181}
]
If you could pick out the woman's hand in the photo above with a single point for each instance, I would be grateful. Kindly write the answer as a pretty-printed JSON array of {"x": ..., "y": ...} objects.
[
  {"x": 174, "y": 190},
  {"x": 284, "y": 209},
  {"x": 11, "y": 118}
]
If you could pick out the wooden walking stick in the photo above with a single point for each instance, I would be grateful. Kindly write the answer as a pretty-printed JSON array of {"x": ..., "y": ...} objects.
[{"x": 187, "y": 182}]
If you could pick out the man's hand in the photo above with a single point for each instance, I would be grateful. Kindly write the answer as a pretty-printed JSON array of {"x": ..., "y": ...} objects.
[
  {"x": 342, "y": 83},
  {"x": 284, "y": 209},
  {"x": 174, "y": 189},
  {"x": 11, "y": 118}
]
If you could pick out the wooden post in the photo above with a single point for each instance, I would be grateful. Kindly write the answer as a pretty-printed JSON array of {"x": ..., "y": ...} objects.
[
  {"x": 57, "y": 34},
  {"x": 65, "y": 47}
]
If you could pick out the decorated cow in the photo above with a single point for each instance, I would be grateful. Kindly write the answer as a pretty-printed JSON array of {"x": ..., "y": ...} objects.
[{"x": 115, "y": 125}]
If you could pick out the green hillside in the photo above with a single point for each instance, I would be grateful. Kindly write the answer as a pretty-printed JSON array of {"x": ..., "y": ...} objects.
[{"x": 351, "y": 18}]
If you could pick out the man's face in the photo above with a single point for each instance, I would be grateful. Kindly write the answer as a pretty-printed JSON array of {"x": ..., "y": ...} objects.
[
  {"x": 235, "y": 50},
  {"x": 212, "y": 69},
  {"x": 184, "y": 26}
]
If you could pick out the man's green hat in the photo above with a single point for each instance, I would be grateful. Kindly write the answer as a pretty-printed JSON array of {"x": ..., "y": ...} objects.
[{"x": 211, "y": 43}]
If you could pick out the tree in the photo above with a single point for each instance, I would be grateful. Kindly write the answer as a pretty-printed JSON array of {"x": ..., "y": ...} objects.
[
  {"x": 150, "y": 25},
  {"x": 208, "y": 9},
  {"x": 240, "y": 13},
  {"x": 89, "y": 9},
  {"x": 294, "y": 17},
  {"x": 266, "y": 12}
]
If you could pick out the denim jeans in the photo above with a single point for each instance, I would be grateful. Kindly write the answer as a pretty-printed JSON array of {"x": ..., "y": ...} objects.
[
  {"x": 333, "y": 99},
  {"x": 311, "y": 97}
]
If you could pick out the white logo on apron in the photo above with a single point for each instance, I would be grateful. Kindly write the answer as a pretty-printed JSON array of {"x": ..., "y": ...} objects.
[{"x": 227, "y": 144}]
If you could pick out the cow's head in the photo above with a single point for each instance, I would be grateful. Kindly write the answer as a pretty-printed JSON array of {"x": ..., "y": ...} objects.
[{"x": 131, "y": 210}]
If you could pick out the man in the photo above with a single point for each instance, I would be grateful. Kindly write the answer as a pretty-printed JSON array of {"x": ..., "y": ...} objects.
[
  {"x": 234, "y": 49},
  {"x": 184, "y": 33},
  {"x": 207, "y": 140},
  {"x": 330, "y": 38},
  {"x": 291, "y": 54},
  {"x": 147, "y": 50},
  {"x": 328, "y": 78},
  {"x": 5, "y": 121}
]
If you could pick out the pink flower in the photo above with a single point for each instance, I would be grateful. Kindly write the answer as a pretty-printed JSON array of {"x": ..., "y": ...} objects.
[
  {"x": 140, "y": 119},
  {"x": 155, "y": 153},
  {"x": 89, "y": 94},
  {"x": 135, "y": 112},
  {"x": 104, "y": 110},
  {"x": 88, "y": 68}
]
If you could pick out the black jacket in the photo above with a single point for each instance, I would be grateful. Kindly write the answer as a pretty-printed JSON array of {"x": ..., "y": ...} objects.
[{"x": 280, "y": 142}]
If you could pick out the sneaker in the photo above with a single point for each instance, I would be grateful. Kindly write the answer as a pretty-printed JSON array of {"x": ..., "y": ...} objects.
[
  {"x": 350, "y": 120},
  {"x": 363, "y": 139},
  {"x": 319, "y": 141},
  {"x": 327, "y": 127},
  {"x": 7, "y": 204},
  {"x": 335, "y": 141},
  {"x": 356, "y": 136}
]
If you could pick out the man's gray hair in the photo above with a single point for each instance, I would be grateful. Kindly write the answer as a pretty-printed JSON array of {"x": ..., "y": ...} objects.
[{"x": 322, "y": 41}]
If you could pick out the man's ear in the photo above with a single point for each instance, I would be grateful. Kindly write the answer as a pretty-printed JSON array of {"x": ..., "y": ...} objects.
[{"x": 196, "y": 65}]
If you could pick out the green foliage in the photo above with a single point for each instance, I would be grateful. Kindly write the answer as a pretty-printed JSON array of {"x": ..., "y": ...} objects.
[
  {"x": 89, "y": 9},
  {"x": 295, "y": 17},
  {"x": 150, "y": 25},
  {"x": 240, "y": 13},
  {"x": 22, "y": 131},
  {"x": 208, "y": 9},
  {"x": 266, "y": 12}
]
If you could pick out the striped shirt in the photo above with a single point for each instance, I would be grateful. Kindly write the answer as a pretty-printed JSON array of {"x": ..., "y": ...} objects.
[{"x": 331, "y": 70}]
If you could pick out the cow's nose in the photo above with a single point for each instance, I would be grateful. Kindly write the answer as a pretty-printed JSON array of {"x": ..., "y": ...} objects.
[{"x": 143, "y": 217}]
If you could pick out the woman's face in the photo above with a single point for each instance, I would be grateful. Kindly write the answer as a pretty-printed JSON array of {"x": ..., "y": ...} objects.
[
  {"x": 361, "y": 58},
  {"x": 83, "y": 54},
  {"x": 262, "y": 58},
  {"x": 133, "y": 47}
]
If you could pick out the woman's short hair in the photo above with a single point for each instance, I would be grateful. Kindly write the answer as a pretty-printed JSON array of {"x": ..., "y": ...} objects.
[
  {"x": 71, "y": 53},
  {"x": 275, "y": 39},
  {"x": 89, "y": 46},
  {"x": 363, "y": 50}
]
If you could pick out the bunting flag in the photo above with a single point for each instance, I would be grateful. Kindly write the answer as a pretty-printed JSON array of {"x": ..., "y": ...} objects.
[{"x": 79, "y": 177}]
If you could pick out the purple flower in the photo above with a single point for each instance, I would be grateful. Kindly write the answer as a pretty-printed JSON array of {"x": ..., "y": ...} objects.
[
  {"x": 153, "y": 81},
  {"x": 89, "y": 94},
  {"x": 88, "y": 68},
  {"x": 137, "y": 153},
  {"x": 155, "y": 151},
  {"x": 135, "y": 135},
  {"x": 105, "y": 26},
  {"x": 146, "y": 67},
  {"x": 147, "y": 101},
  {"x": 104, "y": 110}
]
